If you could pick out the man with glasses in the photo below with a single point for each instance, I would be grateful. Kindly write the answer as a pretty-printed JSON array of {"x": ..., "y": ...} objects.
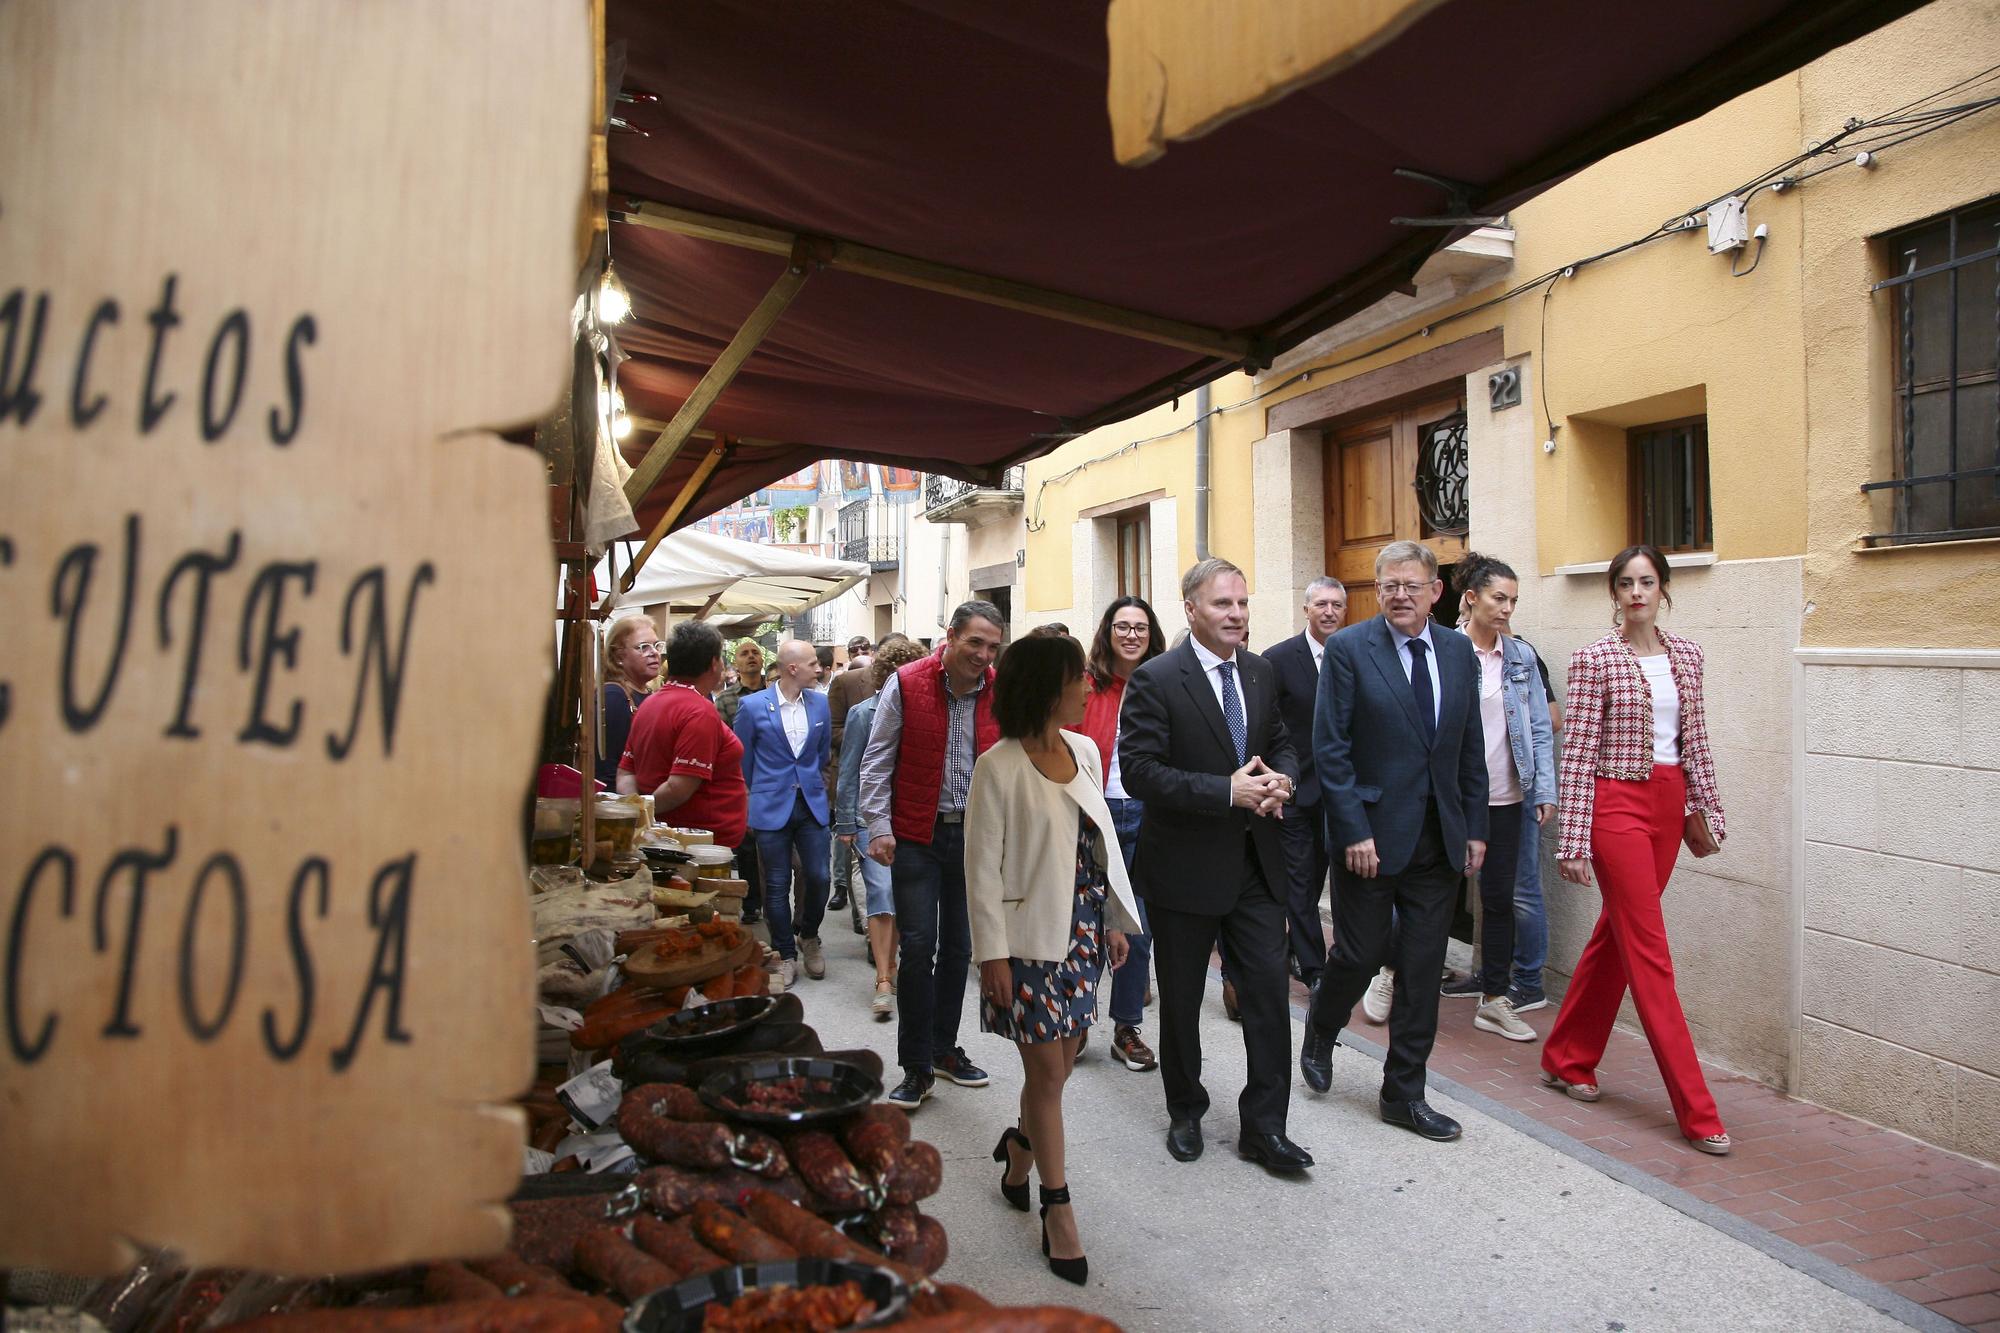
[
  {"x": 1401, "y": 758},
  {"x": 1302, "y": 829}
]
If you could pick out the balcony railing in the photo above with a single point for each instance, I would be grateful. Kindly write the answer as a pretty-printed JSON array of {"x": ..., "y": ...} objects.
[
  {"x": 948, "y": 499},
  {"x": 868, "y": 534}
]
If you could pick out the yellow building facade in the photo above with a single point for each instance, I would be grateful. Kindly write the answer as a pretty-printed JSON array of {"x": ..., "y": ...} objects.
[{"x": 1846, "y": 945}]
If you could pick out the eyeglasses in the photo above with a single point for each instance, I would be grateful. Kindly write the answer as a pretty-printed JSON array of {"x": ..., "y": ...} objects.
[
  {"x": 1129, "y": 631},
  {"x": 1405, "y": 589},
  {"x": 655, "y": 647}
]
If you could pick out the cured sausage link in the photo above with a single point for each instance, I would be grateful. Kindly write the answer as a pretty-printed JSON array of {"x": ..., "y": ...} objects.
[
  {"x": 918, "y": 1173},
  {"x": 620, "y": 1265},
  {"x": 674, "y": 1245},
  {"x": 737, "y": 1239},
  {"x": 827, "y": 1171}
]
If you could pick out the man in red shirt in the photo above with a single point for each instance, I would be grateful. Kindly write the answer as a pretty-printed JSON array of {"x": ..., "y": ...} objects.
[{"x": 679, "y": 749}]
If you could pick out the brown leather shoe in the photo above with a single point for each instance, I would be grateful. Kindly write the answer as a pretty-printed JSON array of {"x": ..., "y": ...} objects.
[{"x": 1229, "y": 1001}]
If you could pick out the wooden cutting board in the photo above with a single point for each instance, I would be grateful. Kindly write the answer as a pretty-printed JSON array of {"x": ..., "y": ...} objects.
[{"x": 652, "y": 967}]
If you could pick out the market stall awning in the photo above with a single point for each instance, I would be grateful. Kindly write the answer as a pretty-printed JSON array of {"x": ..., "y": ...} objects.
[
  {"x": 703, "y": 573},
  {"x": 905, "y": 224}
]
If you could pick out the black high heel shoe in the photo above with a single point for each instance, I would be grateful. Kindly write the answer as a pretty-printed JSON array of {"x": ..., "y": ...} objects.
[
  {"x": 1075, "y": 1270},
  {"x": 1014, "y": 1194}
]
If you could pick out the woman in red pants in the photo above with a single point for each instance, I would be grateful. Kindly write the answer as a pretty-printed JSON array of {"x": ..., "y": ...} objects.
[{"x": 1636, "y": 779}]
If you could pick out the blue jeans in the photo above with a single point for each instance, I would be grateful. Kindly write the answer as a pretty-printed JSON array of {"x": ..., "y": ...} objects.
[
  {"x": 1531, "y": 922},
  {"x": 809, "y": 838},
  {"x": 935, "y": 934},
  {"x": 1128, "y": 983}
]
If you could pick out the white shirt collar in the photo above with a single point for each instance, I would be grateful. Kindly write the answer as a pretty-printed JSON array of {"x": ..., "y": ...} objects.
[
  {"x": 1316, "y": 646},
  {"x": 1399, "y": 639},
  {"x": 783, "y": 702},
  {"x": 1209, "y": 661}
]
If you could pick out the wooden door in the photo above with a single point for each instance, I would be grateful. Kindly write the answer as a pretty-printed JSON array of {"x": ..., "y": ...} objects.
[{"x": 1371, "y": 475}]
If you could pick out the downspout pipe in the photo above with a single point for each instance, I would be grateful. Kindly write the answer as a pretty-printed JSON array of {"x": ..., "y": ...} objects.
[{"x": 1201, "y": 473}]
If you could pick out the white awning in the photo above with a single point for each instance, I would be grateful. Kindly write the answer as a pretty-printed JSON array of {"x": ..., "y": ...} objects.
[{"x": 702, "y": 573}]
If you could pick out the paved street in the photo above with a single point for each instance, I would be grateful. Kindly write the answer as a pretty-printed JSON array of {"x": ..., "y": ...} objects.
[{"x": 1499, "y": 1231}]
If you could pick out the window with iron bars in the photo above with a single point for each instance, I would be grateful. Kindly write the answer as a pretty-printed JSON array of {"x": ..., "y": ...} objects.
[{"x": 1946, "y": 324}]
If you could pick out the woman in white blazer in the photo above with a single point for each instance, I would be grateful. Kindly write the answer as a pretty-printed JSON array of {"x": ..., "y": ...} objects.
[{"x": 1048, "y": 907}]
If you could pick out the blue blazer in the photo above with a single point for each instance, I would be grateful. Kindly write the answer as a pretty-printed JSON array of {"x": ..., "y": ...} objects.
[
  {"x": 1376, "y": 771},
  {"x": 774, "y": 776}
]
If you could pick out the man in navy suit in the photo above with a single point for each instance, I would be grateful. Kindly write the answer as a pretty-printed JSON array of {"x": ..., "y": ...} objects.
[
  {"x": 787, "y": 734},
  {"x": 1401, "y": 757},
  {"x": 1302, "y": 829}
]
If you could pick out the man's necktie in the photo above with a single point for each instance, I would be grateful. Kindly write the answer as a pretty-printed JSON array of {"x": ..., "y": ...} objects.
[
  {"x": 1232, "y": 712},
  {"x": 1420, "y": 686}
]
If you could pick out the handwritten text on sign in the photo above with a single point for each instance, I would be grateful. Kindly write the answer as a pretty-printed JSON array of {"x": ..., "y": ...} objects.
[{"x": 276, "y": 616}]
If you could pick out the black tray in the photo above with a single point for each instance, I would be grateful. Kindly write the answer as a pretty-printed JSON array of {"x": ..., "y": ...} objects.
[
  {"x": 854, "y": 1089},
  {"x": 679, "y": 1309},
  {"x": 685, "y": 1032}
]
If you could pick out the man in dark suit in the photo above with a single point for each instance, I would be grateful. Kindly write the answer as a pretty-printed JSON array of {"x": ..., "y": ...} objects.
[
  {"x": 1401, "y": 756},
  {"x": 1302, "y": 829},
  {"x": 1200, "y": 741}
]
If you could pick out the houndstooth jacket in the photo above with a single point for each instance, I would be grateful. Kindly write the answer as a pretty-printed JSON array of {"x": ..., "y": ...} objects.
[{"x": 1608, "y": 733}]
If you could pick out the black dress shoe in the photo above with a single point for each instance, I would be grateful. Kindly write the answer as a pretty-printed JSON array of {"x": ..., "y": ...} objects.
[
  {"x": 1418, "y": 1118},
  {"x": 1273, "y": 1152},
  {"x": 837, "y": 903},
  {"x": 1316, "y": 1059},
  {"x": 1184, "y": 1140}
]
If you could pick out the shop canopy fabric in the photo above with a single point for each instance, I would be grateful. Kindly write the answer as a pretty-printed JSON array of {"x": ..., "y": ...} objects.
[
  {"x": 697, "y": 573},
  {"x": 839, "y": 175}
]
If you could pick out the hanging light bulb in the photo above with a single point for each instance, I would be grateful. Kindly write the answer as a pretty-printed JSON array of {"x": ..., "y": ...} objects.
[{"x": 614, "y": 302}]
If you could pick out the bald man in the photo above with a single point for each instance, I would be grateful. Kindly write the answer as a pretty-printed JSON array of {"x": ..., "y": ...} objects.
[{"x": 787, "y": 734}]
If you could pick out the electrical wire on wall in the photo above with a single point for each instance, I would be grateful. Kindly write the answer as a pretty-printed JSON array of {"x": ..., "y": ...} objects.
[{"x": 1858, "y": 143}]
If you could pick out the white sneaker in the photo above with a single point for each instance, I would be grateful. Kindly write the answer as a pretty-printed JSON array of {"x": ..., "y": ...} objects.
[
  {"x": 787, "y": 974},
  {"x": 1497, "y": 1015},
  {"x": 1381, "y": 993},
  {"x": 814, "y": 960}
]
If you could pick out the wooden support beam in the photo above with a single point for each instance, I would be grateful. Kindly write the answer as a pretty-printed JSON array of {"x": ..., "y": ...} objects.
[
  {"x": 702, "y": 472},
  {"x": 712, "y": 384},
  {"x": 850, "y": 257}
]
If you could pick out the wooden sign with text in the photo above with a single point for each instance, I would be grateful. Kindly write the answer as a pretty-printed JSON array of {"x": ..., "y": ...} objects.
[{"x": 273, "y": 616}]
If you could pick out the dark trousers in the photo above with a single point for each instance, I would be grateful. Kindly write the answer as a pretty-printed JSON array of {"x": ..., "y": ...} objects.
[
  {"x": 1496, "y": 893},
  {"x": 935, "y": 935},
  {"x": 808, "y": 837},
  {"x": 1128, "y": 983},
  {"x": 1252, "y": 933},
  {"x": 1303, "y": 833},
  {"x": 1417, "y": 903}
]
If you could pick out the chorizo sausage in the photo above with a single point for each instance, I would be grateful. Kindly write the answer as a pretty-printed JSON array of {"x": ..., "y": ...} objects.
[
  {"x": 672, "y": 1191},
  {"x": 814, "y": 1237},
  {"x": 515, "y": 1276},
  {"x": 736, "y": 1238},
  {"x": 759, "y": 1152},
  {"x": 826, "y": 1170},
  {"x": 874, "y": 1139},
  {"x": 456, "y": 1282},
  {"x": 675, "y": 1101},
  {"x": 918, "y": 1173},
  {"x": 607, "y": 1256},
  {"x": 933, "y": 1247},
  {"x": 674, "y": 1245},
  {"x": 896, "y": 1227},
  {"x": 525, "y": 1314},
  {"x": 661, "y": 1138}
]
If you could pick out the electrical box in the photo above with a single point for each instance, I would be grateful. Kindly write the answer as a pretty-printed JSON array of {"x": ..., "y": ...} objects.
[{"x": 1728, "y": 226}]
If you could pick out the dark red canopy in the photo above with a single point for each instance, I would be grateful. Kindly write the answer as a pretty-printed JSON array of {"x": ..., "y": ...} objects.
[{"x": 975, "y": 134}]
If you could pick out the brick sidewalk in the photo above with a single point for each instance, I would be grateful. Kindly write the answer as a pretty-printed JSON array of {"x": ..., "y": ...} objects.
[{"x": 1921, "y": 1221}]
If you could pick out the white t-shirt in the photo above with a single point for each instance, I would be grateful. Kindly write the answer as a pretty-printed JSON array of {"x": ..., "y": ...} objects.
[{"x": 1659, "y": 671}]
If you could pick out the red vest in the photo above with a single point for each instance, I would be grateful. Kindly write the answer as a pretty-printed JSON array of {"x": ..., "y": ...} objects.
[{"x": 913, "y": 797}]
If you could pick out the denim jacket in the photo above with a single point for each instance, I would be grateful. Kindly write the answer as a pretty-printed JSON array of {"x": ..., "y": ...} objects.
[
  {"x": 855, "y": 727},
  {"x": 1529, "y": 732}
]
